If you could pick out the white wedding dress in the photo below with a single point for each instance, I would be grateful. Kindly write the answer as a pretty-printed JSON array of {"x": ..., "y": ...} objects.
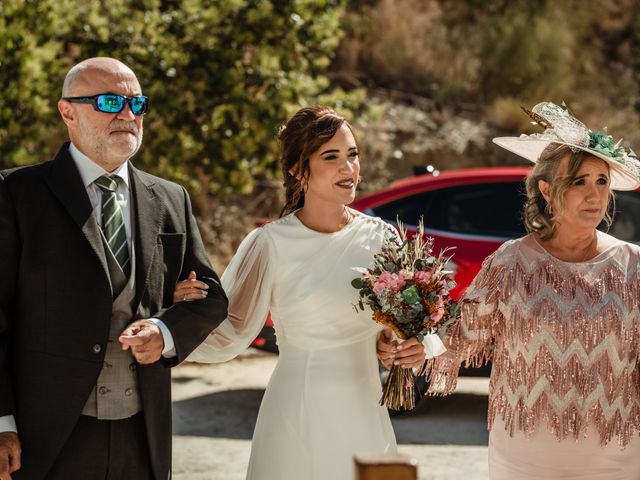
[{"x": 321, "y": 404}]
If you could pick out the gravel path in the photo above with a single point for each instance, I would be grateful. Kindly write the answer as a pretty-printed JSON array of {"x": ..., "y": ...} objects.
[{"x": 215, "y": 408}]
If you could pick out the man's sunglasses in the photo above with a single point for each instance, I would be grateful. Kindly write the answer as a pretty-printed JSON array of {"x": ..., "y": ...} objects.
[{"x": 112, "y": 103}]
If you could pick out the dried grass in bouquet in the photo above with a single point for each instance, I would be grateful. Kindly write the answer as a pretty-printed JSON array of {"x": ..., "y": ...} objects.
[{"x": 407, "y": 289}]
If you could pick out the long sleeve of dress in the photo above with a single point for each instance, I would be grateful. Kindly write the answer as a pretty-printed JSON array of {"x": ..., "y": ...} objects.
[
  {"x": 471, "y": 338},
  {"x": 248, "y": 283}
]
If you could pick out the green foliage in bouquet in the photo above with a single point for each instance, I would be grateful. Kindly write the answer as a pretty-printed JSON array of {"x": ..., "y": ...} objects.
[{"x": 407, "y": 289}]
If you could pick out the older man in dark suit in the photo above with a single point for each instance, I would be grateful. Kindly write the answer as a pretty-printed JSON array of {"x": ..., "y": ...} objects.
[{"x": 90, "y": 251}]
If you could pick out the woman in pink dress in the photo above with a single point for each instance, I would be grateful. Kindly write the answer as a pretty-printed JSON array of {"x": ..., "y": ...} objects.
[{"x": 557, "y": 312}]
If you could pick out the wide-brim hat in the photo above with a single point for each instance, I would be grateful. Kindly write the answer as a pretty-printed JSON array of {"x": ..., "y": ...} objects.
[{"x": 564, "y": 129}]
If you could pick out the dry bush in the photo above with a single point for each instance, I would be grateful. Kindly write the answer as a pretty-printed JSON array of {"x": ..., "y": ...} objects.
[
  {"x": 506, "y": 114},
  {"x": 232, "y": 217},
  {"x": 405, "y": 45},
  {"x": 412, "y": 133}
]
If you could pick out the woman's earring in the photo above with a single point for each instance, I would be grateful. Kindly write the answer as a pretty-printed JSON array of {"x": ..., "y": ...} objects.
[{"x": 549, "y": 210}]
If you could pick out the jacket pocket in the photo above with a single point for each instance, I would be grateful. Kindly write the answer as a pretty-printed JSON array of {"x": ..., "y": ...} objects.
[{"x": 172, "y": 244}]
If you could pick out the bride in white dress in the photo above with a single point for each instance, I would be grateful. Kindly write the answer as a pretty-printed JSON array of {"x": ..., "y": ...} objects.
[{"x": 321, "y": 404}]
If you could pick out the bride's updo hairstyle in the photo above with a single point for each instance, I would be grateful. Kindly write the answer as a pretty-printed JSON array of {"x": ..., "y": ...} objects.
[
  {"x": 304, "y": 133},
  {"x": 540, "y": 216}
]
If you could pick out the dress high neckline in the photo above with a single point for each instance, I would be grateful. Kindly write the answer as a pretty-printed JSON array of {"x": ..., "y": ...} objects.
[{"x": 355, "y": 216}]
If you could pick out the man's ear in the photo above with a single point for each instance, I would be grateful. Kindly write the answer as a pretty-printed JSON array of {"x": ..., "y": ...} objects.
[
  {"x": 545, "y": 189},
  {"x": 67, "y": 112}
]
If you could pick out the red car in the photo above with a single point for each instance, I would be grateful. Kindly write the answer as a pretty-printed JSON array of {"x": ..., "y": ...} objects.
[{"x": 474, "y": 211}]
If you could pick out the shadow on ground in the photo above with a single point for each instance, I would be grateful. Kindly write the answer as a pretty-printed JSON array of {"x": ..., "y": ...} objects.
[
  {"x": 459, "y": 419},
  {"x": 228, "y": 414},
  {"x": 455, "y": 420}
]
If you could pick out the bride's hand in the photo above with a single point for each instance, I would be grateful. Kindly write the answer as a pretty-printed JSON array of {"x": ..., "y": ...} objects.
[
  {"x": 190, "y": 289},
  {"x": 410, "y": 353},
  {"x": 386, "y": 348}
]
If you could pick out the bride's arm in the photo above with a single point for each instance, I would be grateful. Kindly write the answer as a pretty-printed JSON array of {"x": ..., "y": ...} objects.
[{"x": 248, "y": 283}]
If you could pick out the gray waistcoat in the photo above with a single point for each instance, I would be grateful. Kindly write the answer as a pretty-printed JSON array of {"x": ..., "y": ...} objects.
[{"x": 116, "y": 395}]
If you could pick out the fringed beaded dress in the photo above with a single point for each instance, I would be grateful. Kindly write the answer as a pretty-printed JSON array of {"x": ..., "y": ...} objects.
[
  {"x": 321, "y": 404},
  {"x": 564, "y": 394}
]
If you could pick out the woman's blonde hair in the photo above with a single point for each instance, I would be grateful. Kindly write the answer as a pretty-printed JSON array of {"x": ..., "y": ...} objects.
[{"x": 540, "y": 215}]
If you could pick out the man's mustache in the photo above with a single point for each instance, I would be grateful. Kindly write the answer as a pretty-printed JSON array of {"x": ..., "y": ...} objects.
[{"x": 127, "y": 126}]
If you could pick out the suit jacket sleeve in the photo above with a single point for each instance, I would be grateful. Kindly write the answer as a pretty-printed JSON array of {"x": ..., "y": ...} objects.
[
  {"x": 191, "y": 322},
  {"x": 9, "y": 254}
]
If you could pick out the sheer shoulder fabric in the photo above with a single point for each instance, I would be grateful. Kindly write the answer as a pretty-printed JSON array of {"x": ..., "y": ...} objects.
[
  {"x": 248, "y": 283},
  {"x": 391, "y": 234}
]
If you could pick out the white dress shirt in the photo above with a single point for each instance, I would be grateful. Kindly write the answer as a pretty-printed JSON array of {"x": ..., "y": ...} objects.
[{"x": 90, "y": 172}]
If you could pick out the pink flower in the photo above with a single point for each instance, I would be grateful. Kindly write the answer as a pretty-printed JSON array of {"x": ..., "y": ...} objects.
[
  {"x": 437, "y": 315},
  {"x": 392, "y": 281},
  {"x": 423, "y": 278},
  {"x": 378, "y": 287},
  {"x": 405, "y": 275}
]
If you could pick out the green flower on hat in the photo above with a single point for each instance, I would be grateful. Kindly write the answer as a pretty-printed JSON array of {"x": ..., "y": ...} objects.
[
  {"x": 603, "y": 142},
  {"x": 562, "y": 128}
]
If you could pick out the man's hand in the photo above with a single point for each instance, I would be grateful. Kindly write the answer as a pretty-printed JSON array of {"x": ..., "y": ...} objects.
[
  {"x": 9, "y": 454},
  {"x": 408, "y": 353},
  {"x": 145, "y": 340}
]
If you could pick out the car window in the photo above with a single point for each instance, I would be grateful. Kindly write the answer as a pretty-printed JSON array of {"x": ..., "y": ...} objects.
[
  {"x": 488, "y": 209},
  {"x": 408, "y": 209},
  {"x": 626, "y": 221},
  {"x": 493, "y": 209}
]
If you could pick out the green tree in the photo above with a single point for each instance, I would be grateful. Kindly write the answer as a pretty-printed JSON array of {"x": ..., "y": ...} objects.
[
  {"x": 221, "y": 77},
  {"x": 32, "y": 66}
]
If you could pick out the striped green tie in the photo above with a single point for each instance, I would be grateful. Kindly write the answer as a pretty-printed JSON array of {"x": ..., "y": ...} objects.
[{"x": 113, "y": 222}]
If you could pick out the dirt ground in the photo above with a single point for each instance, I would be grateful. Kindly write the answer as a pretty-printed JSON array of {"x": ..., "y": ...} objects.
[{"x": 215, "y": 408}]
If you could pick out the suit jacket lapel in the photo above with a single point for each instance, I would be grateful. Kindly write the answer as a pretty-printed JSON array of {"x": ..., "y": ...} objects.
[
  {"x": 149, "y": 213},
  {"x": 66, "y": 184}
]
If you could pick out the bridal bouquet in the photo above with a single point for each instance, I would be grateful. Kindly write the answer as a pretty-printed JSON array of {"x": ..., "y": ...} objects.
[{"x": 407, "y": 288}]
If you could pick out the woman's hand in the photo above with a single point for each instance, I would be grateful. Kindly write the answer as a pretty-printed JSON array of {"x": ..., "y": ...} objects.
[
  {"x": 405, "y": 353},
  {"x": 190, "y": 289},
  {"x": 410, "y": 353},
  {"x": 386, "y": 348}
]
